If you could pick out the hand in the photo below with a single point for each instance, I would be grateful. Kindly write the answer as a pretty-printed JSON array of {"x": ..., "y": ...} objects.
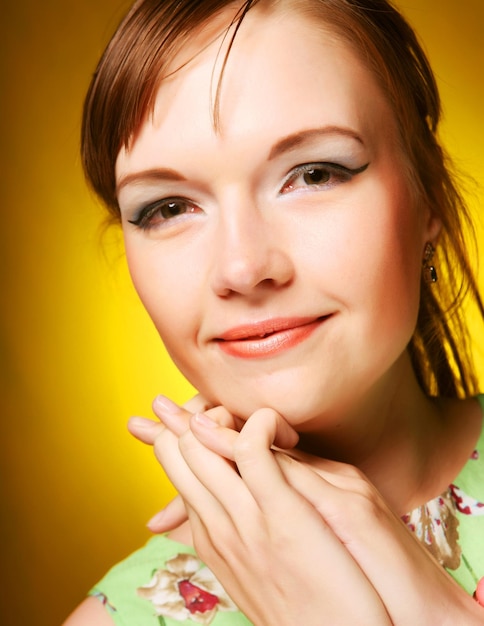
[
  {"x": 244, "y": 542},
  {"x": 236, "y": 522},
  {"x": 174, "y": 514}
]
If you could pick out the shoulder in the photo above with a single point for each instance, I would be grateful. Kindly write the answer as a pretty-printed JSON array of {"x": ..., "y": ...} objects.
[
  {"x": 153, "y": 554},
  {"x": 91, "y": 612},
  {"x": 145, "y": 589},
  {"x": 117, "y": 594},
  {"x": 126, "y": 595}
]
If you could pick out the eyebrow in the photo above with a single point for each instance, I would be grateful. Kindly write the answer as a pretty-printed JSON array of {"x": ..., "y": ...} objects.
[
  {"x": 286, "y": 144},
  {"x": 154, "y": 175}
]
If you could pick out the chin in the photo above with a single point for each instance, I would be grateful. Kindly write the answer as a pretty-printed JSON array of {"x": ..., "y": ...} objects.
[{"x": 243, "y": 403}]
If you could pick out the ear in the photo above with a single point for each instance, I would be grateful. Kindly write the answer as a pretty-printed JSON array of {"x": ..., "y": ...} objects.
[{"x": 432, "y": 225}]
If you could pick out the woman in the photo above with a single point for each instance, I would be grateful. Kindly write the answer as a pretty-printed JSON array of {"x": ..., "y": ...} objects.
[{"x": 286, "y": 209}]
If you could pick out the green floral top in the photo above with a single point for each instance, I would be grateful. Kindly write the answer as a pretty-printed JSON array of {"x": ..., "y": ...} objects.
[
  {"x": 452, "y": 525},
  {"x": 164, "y": 583}
]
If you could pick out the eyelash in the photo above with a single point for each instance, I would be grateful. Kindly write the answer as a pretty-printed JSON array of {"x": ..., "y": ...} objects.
[
  {"x": 148, "y": 212},
  {"x": 340, "y": 172},
  {"x": 144, "y": 219}
]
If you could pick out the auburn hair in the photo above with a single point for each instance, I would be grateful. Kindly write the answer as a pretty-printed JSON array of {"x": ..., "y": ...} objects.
[{"x": 129, "y": 73}]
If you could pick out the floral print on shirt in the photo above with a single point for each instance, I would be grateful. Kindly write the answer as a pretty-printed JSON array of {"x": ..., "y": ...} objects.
[
  {"x": 436, "y": 523},
  {"x": 186, "y": 589}
]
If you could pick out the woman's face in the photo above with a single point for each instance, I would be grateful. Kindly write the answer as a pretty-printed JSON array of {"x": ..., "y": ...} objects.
[{"x": 280, "y": 254}]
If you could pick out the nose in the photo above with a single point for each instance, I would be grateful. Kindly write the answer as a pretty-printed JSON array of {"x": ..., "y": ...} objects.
[{"x": 250, "y": 255}]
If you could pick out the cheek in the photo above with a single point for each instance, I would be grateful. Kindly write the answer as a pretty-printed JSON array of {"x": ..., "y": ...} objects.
[
  {"x": 167, "y": 290},
  {"x": 388, "y": 271},
  {"x": 372, "y": 261}
]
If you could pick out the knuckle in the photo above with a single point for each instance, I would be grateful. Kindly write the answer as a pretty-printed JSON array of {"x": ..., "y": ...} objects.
[
  {"x": 187, "y": 442},
  {"x": 220, "y": 415},
  {"x": 367, "y": 503},
  {"x": 267, "y": 416},
  {"x": 244, "y": 450},
  {"x": 160, "y": 442},
  {"x": 367, "y": 493},
  {"x": 353, "y": 472}
]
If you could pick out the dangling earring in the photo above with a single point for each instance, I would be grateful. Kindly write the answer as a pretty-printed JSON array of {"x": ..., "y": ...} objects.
[{"x": 430, "y": 273}]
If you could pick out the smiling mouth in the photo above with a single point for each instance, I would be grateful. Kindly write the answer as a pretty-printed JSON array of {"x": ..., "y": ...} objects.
[{"x": 268, "y": 338}]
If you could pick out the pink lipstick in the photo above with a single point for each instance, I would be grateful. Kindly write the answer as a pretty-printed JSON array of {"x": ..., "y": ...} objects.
[{"x": 267, "y": 338}]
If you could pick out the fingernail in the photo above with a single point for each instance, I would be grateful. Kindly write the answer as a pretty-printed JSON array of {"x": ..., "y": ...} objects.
[
  {"x": 141, "y": 422},
  {"x": 156, "y": 520},
  {"x": 204, "y": 420},
  {"x": 165, "y": 404}
]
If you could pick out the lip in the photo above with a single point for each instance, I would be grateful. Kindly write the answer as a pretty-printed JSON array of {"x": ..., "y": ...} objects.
[{"x": 268, "y": 337}]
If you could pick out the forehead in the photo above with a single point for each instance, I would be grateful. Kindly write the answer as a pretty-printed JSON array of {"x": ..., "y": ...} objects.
[{"x": 284, "y": 73}]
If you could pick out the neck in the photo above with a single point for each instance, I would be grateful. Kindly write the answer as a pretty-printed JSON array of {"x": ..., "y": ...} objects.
[{"x": 389, "y": 434}]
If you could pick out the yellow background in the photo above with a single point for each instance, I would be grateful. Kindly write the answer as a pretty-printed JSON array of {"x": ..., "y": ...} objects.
[{"x": 78, "y": 353}]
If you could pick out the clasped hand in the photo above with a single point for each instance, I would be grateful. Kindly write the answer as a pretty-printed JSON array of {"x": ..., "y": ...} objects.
[{"x": 295, "y": 539}]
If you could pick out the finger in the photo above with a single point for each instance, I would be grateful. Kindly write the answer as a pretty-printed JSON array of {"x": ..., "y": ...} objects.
[
  {"x": 221, "y": 511},
  {"x": 208, "y": 428},
  {"x": 176, "y": 418},
  {"x": 174, "y": 513},
  {"x": 333, "y": 495},
  {"x": 357, "y": 515},
  {"x": 218, "y": 476},
  {"x": 216, "y": 438},
  {"x": 191, "y": 489},
  {"x": 173, "y": 416},
  {"x": 255, "y": 458},
  {"x": 179, "y": 470},
  {"x": 197, "y": 404},
  {"x": 251, "y": 450},
  {"x": 222, "y": 417},
  {"x": 227, "y": 547},
  {"x": 168, "y": 518},
  {"x": 268, "y": 428},
  {"x": 337, "y": 473},
  {"x": 377, "y": 539},
  {"x": 144, "y": 429},
  {"x": 242, "y": 527},
  {"x": 324, "y": 496}
]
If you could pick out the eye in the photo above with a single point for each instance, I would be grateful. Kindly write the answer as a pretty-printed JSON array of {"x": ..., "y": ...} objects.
[
  {"x": 163, "y": 211},
  {"x": 320, "y": 175}
]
